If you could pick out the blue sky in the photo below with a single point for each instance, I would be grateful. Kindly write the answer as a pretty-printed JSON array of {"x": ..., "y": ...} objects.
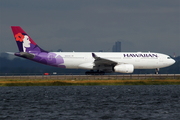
[{"x": 93, "y": 25}]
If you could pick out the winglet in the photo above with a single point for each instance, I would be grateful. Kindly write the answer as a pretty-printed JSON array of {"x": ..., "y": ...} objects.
[{"x": 94, "y": 55}]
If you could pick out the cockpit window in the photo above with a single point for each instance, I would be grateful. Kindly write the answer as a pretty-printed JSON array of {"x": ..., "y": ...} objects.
[{"x": 168, "y": 57}]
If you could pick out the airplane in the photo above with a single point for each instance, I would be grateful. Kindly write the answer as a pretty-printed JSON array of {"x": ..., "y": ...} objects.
[{"x": 98, "y": 63}]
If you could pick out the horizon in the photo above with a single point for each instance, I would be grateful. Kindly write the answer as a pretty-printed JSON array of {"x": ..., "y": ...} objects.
[{"x": 94, "y": 25}]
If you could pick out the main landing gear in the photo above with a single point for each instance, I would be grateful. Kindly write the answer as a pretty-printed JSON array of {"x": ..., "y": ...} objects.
[
  {"x": 156, "y": 70},
  {"x": 94, "y": 72}
]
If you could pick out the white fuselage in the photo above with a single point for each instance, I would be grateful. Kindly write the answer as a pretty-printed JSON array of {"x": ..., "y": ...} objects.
[{"x": 140, "y": 60}]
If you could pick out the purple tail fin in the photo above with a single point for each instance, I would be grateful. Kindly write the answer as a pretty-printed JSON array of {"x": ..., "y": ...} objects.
[
  {"x": 30, "y": 50},
  {"x": 24, "y": 42}
]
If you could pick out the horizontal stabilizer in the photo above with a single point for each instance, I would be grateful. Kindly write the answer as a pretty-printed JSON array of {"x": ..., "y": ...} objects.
[
  {"x": 11, "y": 53},
  {"x": 25, "y": 54}
]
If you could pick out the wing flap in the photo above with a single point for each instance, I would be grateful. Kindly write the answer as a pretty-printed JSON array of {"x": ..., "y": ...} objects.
[{"x": 103, "y": 61}]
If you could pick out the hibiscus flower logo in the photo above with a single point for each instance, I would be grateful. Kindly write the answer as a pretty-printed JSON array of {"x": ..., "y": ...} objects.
[{"x": 19, "y": 37}]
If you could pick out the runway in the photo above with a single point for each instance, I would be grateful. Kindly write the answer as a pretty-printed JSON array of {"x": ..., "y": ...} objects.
[{"x": 92, "y": 77}]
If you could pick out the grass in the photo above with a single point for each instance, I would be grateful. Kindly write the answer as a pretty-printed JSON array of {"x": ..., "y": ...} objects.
[{"x": 10, "y": 82}]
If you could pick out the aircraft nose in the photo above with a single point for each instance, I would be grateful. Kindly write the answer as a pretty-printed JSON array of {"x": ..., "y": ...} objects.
[{"x": 172, "y": 61}]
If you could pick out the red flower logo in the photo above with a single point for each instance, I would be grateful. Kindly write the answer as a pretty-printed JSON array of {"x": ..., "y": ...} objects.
[{"x": 19, "y": 37}]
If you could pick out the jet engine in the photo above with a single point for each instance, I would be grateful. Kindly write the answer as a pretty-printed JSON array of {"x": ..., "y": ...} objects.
[{"x": 124, "y": 68}]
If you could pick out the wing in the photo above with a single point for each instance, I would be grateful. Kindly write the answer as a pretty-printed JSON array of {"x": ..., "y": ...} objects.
[{"x": 103, "y": 61}]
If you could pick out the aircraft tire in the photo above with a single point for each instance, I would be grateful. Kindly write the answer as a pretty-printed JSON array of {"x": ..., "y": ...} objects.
[{"x": 94, "y": 73}]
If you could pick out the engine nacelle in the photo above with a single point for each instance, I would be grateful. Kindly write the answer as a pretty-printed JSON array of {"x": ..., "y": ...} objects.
[{"x": 124, "y": 68}]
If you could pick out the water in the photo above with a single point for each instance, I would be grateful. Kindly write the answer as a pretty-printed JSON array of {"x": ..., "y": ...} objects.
[{"x": 91, "y": 102}]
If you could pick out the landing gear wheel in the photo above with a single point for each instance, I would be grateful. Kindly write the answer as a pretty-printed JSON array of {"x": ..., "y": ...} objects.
[
  {"x": 94, "y": 73},
  {"x": 156, "y": 71}
]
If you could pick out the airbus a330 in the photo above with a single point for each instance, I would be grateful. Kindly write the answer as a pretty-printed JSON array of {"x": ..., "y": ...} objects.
[{"x": 95, "y": 62}]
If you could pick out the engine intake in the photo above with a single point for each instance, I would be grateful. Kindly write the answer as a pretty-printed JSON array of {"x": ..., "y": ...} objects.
[{"x": 124, "y": 68}]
